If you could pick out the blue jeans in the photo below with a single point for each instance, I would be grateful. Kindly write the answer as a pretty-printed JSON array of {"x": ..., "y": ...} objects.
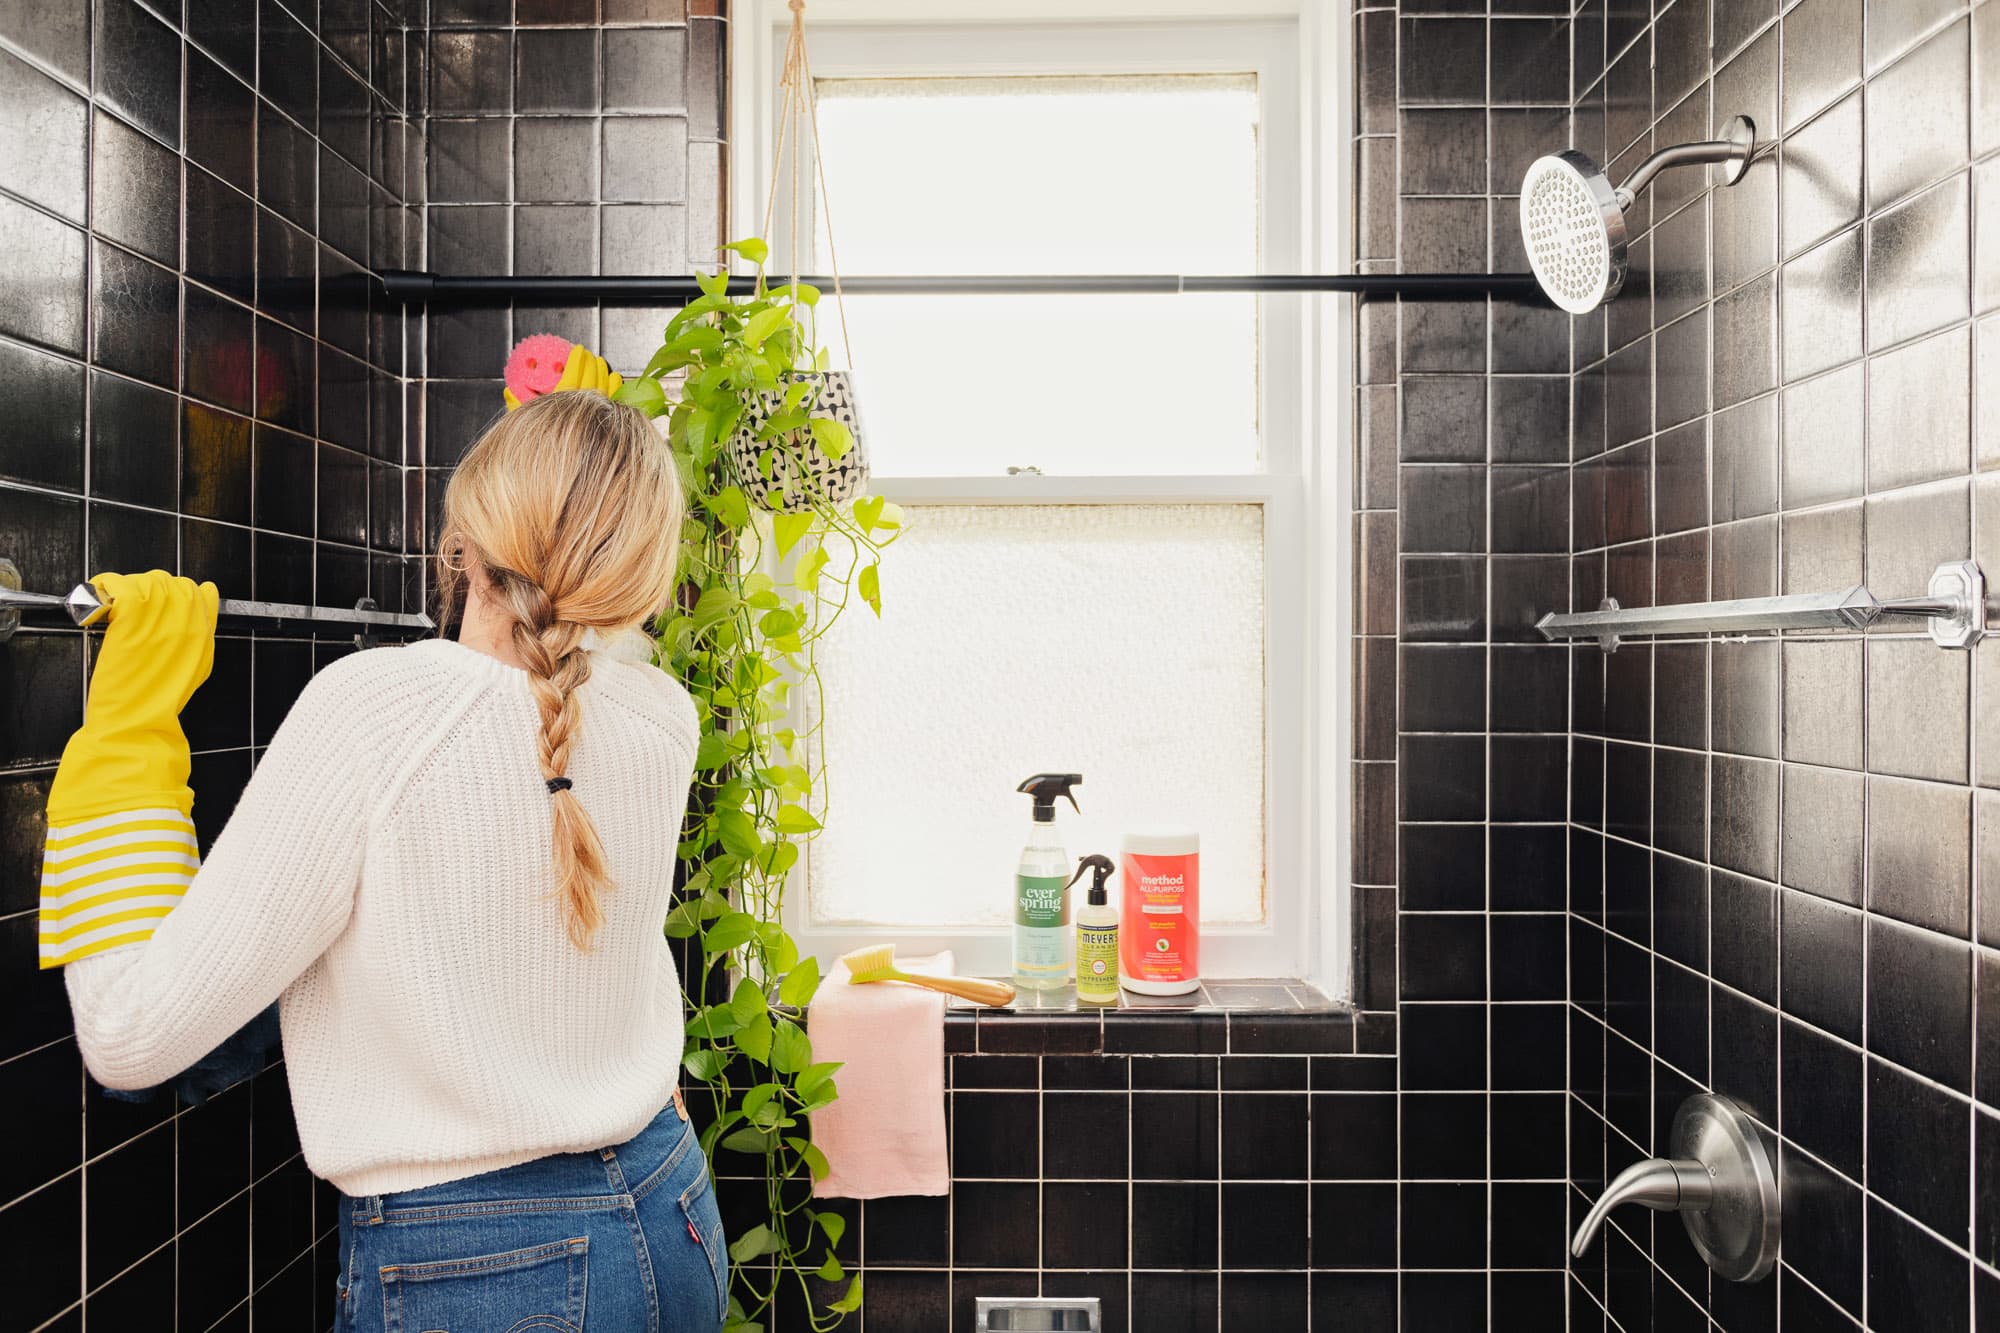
[{"x": 621, "y": 1240}]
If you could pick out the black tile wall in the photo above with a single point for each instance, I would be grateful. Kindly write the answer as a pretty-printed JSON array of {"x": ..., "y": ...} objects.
[
  {"x": 164, "y": 333},
  {"x": 1795, "y": 392},
  {"x": 1462, "y": 538}
]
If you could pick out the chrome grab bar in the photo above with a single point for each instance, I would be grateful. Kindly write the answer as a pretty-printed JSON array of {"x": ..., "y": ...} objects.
[
  {"x": 84, "y": 607},
  {"x": 1955, "y": 608}
]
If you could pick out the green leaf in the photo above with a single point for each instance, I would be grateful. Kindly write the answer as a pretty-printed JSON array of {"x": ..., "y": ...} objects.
[
  {"x": 705, "y": 1064},
  {"x": 851, "y": 1301},
  {"x": 755, "y": 1039},
  {"x": 801, "y": 983},
  {"x": 755, "y": 1243},
  {"x": 830, "y": 1271},
  {"x": 748, "y": 1140},
  {"x": 869, "y": 585},
  {"x": 833, "y": 1224},
  {"x": 765, "y": 323},
  {"x": 714, "y": 1022},
  {"x": 644, "y": 394},
  {"x": 747, "y": 1002},
  {"x": 833, "y": 438},
  {"x": 788, "y": 528},
  {"x": 684, "y": 920},
  {"x": 777, "y": 624},
  {"x": 738, "y": 833},
  {"x": 806, "y": 576},
  {"x": 712, "y": 752},
  {"x": 814, "y": 1077},
  {"x": 751, "y": 248},
  {"x": 759, "y": 1097},
  {"x": 802, "y": 292},
  {"x": 732, "y": 930},
  {"x": 825, "y": 1094},
  {"x": 730, "y": 505},
  {"x": 713, "y": 284},
  {"x": 868, "y": 511},
  {"x": 794, "y": 819},
  {"x": 791, "y": 1049}
]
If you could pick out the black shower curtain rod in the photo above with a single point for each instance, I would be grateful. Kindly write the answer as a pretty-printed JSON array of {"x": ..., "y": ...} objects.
[{"x": 417, "y": 288}]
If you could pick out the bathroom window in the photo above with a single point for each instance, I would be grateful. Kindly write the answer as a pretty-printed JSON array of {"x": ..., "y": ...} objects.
[{"x": 1103, "y": 569}]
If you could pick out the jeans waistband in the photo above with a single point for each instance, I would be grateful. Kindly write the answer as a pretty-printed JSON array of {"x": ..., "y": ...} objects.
[{"x": 602, "y": 1176}]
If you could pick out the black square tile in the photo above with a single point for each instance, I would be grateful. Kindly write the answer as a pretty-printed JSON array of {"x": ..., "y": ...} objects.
[
  {"x": 1175, "y": 1225},
  {"x": 1919, "y": 1149},
  {"x": 1353, "y": 1136},
  {"x": 1443, "y": 957},
  {"x": 1527, "y": 1141},
  {"x": 1529, "y": 1042},
  {"x": 45, "y": 445},
  {"x": 1444, "y": 869},
  {"x": 1083, "y": 1224},
  {"x": 1264, "y": 1136},
  {"x": 1529, "y": 1223},
  {"x": 1354, "y": 1226},
  {"x": 1176, "y": 1300},
  {"x": 1915, "y": 1284},
  {"x": 910, "y": 1231},
  {"x": 1443, "y": 1227},
  {"x": 1920, "y": 1001},
  {"x": 135, "y": 316},
  {"x": 1084, "y": 1136},
  {"x": 1252, "y": 1302},
  {"x": 1364, "y": 1302},
  {"x": 1263, "y": 1225},
  {"x": 1443, "y": 1136},
  {"x": 221, "y": 122},
  {"x": 1176, "y": 1136},
  {"x": 1744, "y": 932},
  {"x": 217, "y": 1247},
  {"x": 1824, "y": 1236},
  {"x": 1444, "y": 1047},
  {"x": 1743, "y": 1046},
  {"x": 1001, "y": 1227}
]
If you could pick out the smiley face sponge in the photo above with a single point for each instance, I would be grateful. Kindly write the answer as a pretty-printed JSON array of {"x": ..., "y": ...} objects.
[{"x": 535, "y": 365}]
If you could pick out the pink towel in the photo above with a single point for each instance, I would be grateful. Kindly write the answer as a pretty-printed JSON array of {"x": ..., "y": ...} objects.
[{"x": 885, "y": 1135}]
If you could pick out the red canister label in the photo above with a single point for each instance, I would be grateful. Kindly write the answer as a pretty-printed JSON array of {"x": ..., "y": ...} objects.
[{"x": 1160, "y": 928}]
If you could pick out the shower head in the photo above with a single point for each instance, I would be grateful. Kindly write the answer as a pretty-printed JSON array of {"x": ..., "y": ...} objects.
[{"x": 1573, "y": 218}]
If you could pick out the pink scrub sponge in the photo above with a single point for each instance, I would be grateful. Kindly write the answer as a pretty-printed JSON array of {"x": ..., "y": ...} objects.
[{"x": 535, "y": 365}]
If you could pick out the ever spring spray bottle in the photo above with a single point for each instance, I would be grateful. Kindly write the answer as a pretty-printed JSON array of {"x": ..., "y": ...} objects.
[
  {"x": 1041, "y": 890},
  {"x": 1096, "y": 935}
]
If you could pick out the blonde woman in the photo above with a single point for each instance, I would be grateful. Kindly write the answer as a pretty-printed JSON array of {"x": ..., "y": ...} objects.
[{"x": 451, "y": 868}]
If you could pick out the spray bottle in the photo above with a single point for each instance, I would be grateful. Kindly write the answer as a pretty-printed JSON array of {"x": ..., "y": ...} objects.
[
  {"x": 1041, "y": 890},
  {"x": 1096, "y": 935}
]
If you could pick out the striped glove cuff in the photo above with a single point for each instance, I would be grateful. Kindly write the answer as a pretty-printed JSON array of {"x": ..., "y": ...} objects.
[{"x": 109, "y": 881}]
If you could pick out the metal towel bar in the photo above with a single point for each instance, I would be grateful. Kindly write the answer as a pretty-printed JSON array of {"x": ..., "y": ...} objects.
[
  {"x": 82, "y": 605},
  {"x": 1955, "y": 608}
]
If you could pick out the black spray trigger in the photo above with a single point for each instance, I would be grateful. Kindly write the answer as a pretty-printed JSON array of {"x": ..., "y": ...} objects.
[
  {"x": 1101, "y": 868},
  {"x": 1045, "y": 787}
]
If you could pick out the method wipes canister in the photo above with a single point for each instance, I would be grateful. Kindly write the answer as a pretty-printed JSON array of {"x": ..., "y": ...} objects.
[{"x": 1160, "y": 928}]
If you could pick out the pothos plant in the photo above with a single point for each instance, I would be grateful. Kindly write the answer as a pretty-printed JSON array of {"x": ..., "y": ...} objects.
[{"x": 761, "y": 589}]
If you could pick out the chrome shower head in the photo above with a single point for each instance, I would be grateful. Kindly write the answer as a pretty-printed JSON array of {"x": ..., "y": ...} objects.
[{"x": 1573, "y": 218}]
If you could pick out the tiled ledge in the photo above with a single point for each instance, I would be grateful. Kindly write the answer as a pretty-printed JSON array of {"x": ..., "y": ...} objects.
[{"x": 1223, "y": 1018}]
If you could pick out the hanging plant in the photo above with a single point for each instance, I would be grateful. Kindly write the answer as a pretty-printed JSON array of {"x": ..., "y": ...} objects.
[{"x": 763, "y": 586}]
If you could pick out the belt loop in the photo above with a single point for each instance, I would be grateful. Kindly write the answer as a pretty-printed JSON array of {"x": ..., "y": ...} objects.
[{"x": 367, "y": 1210}]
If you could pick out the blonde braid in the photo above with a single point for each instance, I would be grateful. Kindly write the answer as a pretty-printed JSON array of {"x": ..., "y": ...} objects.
[{"x": 557, "y": 666}]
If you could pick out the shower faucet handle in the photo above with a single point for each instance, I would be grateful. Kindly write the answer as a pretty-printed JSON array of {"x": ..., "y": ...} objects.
[
  {"x": 1656, "y": 1183},
  {"x": 1720, "y": 1180}
]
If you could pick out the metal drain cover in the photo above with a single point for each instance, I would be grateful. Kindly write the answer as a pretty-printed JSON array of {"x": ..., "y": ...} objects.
[{"x": 1037, "y": 1312}]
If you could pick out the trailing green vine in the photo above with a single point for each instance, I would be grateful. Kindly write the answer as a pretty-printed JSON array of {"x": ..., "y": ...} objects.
[{"x": 761, "y": 589}]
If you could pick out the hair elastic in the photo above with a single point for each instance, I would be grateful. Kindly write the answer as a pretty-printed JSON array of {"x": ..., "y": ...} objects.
[{"x": 559, "y": 784}]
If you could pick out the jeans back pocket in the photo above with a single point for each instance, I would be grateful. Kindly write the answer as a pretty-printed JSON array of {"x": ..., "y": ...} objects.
[
  {"x": 540, "y": 1288},
  {"x": 704, "y": 1221}
]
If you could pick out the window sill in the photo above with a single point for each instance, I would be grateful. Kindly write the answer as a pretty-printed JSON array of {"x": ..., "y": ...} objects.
[{"x": 1224, "y": 1018}]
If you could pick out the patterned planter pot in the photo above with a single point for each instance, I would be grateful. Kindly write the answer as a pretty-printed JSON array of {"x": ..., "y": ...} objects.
[{"x": 801, "y": 475}]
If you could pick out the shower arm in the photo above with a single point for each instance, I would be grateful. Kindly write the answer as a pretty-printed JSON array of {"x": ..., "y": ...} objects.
[{"x": 1735, "y": 150}]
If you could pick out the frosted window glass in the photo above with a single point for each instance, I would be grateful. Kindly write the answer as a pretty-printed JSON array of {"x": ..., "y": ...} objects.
[
  {"x": 1121, "y": 642},
  {"x": 1152, "y": 174}
]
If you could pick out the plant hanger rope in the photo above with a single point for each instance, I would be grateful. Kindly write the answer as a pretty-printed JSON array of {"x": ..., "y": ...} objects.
[{"x": 799, "y": 114}]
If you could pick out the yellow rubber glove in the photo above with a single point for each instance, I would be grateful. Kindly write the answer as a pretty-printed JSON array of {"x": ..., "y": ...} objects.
[
  {"x": 584, "y": 370},
  {"x": 121, "y": 847}
]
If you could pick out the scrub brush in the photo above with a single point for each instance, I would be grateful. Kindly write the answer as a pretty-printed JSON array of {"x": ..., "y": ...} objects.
[{"x": 878, "y": 963}]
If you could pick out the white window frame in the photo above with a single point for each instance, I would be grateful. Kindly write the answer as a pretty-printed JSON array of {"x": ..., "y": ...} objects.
[{"x": 1302, "y": 412}]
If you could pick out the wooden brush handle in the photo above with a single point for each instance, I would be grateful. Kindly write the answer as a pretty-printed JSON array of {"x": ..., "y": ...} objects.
[{"x": 966, "y": 988}]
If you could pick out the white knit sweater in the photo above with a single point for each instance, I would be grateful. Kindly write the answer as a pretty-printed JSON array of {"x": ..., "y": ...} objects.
[{"x": 387, "y": 875}]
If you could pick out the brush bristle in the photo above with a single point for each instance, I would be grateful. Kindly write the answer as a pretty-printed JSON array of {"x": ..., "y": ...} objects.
[{"x": 874, "y": 958}]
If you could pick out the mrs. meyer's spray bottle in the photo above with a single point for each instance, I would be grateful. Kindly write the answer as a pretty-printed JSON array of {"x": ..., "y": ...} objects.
[{"x": 1041, "y": 897}]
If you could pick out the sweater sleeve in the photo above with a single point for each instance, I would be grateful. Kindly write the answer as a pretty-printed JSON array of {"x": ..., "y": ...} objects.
[{"x": 274, "y": 892}]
